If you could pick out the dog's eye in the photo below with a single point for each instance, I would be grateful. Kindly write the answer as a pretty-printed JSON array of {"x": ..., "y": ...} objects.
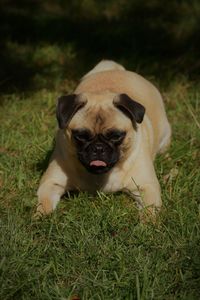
[
  {"x": 115, "y": 136},
  {"x": 82, "y": 135}
]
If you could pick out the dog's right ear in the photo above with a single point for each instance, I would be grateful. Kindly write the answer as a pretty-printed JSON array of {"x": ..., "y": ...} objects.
[{"x": 67, "y": 106}]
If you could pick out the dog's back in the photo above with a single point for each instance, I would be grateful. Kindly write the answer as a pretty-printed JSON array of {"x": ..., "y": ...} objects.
[{"x": 104, "y": 65}]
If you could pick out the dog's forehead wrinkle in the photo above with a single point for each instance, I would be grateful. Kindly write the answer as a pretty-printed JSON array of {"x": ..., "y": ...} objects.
[
  {"x": 98, "y": 117},
  {"x": 99, "y": 120}
]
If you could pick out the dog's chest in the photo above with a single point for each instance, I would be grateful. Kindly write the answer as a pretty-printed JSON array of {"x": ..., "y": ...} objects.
[{"x": 112, "y": 182}]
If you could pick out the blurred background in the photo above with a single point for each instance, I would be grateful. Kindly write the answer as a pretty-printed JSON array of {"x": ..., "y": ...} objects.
[{"x": 50, "y": 44}]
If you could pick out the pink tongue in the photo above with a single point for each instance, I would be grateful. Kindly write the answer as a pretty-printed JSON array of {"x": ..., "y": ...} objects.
[{"x": 98, "y": 163}]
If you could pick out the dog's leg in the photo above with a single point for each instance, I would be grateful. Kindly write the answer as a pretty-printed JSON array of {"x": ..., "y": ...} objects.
[
  {"x": 149, "y": 202},
  {"x": 151, "y": 198},
  {"x": 52, "y": 187},
  {"x": 146, "y": 191}
]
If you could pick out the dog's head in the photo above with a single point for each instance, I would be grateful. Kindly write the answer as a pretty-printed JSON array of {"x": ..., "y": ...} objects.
[{"x": 99, "y": 128}]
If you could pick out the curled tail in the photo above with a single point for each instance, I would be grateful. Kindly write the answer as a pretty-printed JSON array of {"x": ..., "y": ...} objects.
[{"x": 105, "y": 65}]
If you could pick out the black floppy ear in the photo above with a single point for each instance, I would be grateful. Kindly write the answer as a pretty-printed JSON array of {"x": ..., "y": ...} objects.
[
  {"x": 134, "y": 110},
  {"x": 67, "y": 106}
]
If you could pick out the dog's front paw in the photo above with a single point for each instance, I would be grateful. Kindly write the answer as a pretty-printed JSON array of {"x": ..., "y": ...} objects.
[
  {"x": 39, "y": 212},
  {"x": 43, "y": 208}
]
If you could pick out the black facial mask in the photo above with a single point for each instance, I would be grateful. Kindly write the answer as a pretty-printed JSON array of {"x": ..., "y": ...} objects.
[{"x": 99, "y": 153}]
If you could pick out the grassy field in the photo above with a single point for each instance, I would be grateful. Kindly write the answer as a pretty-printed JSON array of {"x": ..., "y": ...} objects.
[{"x": 95, "y": 247}]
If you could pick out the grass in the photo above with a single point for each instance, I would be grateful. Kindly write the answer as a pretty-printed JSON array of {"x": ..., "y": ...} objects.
[{"x": 95, "y": 247}]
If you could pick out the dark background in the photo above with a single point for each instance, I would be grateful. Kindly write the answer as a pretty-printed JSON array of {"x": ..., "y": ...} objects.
[{"x": 45, "y": 43}]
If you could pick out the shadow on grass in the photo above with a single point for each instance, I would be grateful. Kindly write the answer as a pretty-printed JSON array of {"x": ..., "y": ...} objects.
[
  {"x": 42, "y": 165},
  {"x": 42, "y": 44}
]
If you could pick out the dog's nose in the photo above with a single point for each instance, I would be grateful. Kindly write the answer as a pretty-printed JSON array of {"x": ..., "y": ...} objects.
[{"x": 99, "y": 148}]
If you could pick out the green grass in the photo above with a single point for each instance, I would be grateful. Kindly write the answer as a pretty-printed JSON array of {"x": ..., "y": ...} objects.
[{"x": 95, "y": 247}]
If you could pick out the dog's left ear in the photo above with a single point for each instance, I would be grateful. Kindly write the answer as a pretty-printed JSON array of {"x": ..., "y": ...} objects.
[
  {"x": 67, "y": 106},
  {"x": 134, "y": 110}
]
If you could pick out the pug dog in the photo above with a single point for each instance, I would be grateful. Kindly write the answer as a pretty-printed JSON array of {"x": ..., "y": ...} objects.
[{"x": 110, "y": 130}]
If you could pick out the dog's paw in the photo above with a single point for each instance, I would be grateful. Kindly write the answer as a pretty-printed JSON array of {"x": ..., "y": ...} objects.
[
  {"x": 42, "y": 210},
  {"x": 39, "y": 212}
]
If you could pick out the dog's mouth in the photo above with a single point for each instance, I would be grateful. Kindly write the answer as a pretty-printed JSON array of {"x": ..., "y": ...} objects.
[
  {"x": 98, "y": 167},
  {"x": 98, "y": 163}
]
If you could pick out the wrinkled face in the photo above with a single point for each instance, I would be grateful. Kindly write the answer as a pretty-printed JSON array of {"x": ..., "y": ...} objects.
[
  {"x": 98, "y": 152},
  {"x": 100, "y": 128}
]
